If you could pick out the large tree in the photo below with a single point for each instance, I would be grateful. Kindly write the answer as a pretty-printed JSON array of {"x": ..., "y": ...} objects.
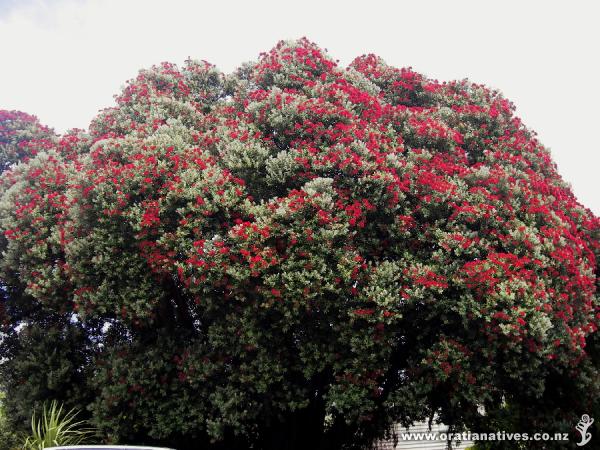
[{"x": 297, "y": 255}]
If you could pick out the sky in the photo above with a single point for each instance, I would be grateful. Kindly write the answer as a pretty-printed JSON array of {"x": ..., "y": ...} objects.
[{"x": 63, "y": 60}]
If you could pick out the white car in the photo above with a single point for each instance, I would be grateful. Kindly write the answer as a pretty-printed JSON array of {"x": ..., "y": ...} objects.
[{"x": 107, "y": 447}]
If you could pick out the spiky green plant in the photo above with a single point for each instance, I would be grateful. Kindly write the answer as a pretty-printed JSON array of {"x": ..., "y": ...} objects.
[{"x": 56, "y": 427}]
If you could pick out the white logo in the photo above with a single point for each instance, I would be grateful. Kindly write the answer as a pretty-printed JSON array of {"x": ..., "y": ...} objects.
[{"x": 582, "y": 427}]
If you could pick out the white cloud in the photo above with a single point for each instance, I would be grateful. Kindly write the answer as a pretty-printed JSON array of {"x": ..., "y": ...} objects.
[{"x": 63, "y": 60}]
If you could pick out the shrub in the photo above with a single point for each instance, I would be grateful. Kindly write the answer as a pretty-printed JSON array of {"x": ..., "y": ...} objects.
[
  {"x": 56, "y": 428},
  {"x": 9, "y": 440}
]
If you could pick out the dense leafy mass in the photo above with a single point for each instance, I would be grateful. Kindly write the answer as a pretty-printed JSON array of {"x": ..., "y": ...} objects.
[
  {"x": 296, "y": 255},
  {"x": 9, "y": 440},
  {"x": 21, "y": 137}
]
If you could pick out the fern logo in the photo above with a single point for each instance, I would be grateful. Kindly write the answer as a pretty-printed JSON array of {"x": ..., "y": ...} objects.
[{"x": 582, "y": 427}]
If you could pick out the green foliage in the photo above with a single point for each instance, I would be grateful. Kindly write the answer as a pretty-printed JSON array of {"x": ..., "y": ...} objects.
[
  {"x": 55, "y": 428},
  {"x": 9, "y": 440},
  {"x": 45, "y": 359}
]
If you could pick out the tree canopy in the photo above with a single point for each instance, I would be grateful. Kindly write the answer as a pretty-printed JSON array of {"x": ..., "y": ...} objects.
[{"x": 295, "y": 255}]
